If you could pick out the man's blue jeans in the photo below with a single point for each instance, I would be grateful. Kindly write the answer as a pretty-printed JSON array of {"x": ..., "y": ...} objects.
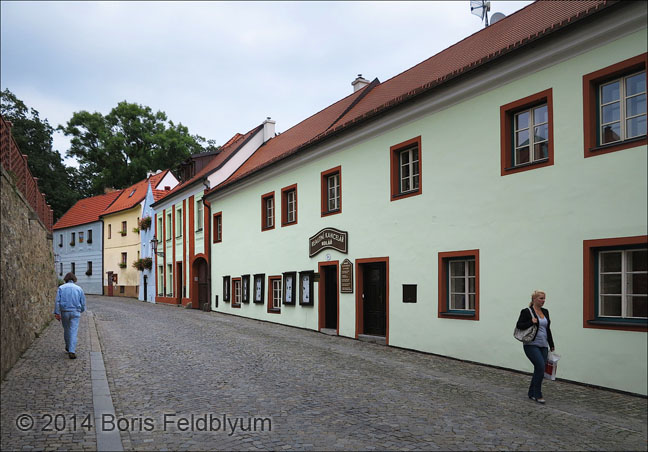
[
  {"x": 538, "y": 357},
  {"x": 70, "y": 320}
]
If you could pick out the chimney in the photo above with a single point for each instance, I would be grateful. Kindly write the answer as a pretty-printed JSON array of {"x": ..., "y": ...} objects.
[
  {"x": 268, "y": 129},
  {"x": 359, "y": 83}
]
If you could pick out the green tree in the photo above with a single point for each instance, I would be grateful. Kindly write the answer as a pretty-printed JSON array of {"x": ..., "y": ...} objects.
[
  {"x": 61, "y": 185},
  {"x": 118, "y": 149}
]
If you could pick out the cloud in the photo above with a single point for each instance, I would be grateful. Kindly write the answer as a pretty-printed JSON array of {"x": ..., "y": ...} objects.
[{"x": 217, "y": 67}]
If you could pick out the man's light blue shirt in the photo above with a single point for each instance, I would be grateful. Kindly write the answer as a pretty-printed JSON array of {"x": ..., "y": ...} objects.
[{"x": 69, "y": 297}]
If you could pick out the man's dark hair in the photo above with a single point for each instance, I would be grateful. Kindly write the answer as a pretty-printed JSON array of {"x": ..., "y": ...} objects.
[{"x": 70, "y": 277}]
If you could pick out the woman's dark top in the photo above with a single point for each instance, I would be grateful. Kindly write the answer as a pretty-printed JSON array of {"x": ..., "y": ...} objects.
[{"x": 524, "y": 322}]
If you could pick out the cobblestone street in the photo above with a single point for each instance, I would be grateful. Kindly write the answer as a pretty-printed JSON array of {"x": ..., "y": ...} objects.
[{"x": 319, "y": 392}]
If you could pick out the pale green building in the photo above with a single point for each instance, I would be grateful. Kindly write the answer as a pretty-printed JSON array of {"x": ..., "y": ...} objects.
[{"x": 514, "y": 160}]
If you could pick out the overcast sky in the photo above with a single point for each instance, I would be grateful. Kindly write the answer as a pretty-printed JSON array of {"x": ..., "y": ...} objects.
[{"x": 216, "y": 67}]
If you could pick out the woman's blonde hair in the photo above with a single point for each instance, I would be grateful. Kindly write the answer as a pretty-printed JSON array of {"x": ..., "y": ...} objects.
[{"x": 536, "y": 294}]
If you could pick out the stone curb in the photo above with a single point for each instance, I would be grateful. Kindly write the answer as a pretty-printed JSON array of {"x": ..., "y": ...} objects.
[{"x": 101, "y": 397}]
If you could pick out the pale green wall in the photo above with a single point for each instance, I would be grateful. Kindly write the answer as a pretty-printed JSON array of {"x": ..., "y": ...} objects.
[{"x": 529, "y": 228}]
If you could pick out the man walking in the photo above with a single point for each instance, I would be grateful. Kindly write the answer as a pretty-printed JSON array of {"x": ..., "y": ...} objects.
[{"x": 70, "y": 303}]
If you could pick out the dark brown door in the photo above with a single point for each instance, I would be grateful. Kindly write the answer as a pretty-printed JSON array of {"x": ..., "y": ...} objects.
[
  {"x": 110, "y": 284},
  {"x": 330, "y": 296},
  {"x": 375, "y": 306},
  {"x": 203, "y": 286}
]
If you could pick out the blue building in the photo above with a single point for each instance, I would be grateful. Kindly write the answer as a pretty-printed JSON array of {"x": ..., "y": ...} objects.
[{"x": 78, "y": 242}]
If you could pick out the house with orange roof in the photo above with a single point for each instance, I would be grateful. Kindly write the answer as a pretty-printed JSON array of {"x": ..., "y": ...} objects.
[
  {"x": 78, "y": 241},
  {"x": 422, "y": 211},
  {"x": 121, "y": 234},
  {"x": 181, "y": 220}
]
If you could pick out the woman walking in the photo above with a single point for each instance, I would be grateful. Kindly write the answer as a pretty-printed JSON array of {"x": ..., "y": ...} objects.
[{"x": 538, "y": 348}]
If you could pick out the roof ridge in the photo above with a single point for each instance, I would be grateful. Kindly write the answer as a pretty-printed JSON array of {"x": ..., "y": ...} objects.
[{"x": 364, "y": 91}]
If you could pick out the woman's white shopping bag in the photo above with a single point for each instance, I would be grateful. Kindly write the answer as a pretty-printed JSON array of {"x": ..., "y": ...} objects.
[{"x": 552, "y": 366}]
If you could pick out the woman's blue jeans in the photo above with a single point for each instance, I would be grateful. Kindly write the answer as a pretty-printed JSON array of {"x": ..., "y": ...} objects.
[
  {"x": 538, "y": 357},
  {"x": 70, "y": 321}
]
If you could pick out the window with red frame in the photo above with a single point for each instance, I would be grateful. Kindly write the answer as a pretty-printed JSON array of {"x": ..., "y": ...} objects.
[
  {"x": 615, "y": 275},
  {"x": 236, "y": 292},
  {"x": 459, "y": 284},
  {"x": 406, "y": 171},
  {"x": 274, "y": 294},
  {"x": 267, "y": 211},
  {"x": 289, "y": 205},
  {"x": 331, "y": 191},
  {"x": 218, "y": 227},
  {"x": 614, "y": 107},
  {"x": 527, "y": 133}
]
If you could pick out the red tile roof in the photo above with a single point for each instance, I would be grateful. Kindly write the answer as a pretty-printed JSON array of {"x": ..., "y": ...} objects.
[
  {"x": 226, "y": 151},
  {"x": 86, "y": 210},
  {"x": 517, "y": 30},
  {"x": 134, "y": 194},
  {"x": 159, "y": 194}
]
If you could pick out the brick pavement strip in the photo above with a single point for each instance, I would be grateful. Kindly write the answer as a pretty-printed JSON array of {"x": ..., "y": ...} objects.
[
  {"x": 319, "y": 392},
  {"x": 56, "y": 392}
]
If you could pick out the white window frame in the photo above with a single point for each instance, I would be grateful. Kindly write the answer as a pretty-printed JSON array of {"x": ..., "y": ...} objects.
[
  {"x": 466, "y": 277},
  {"x": 276, "y": 293},
  {"x": 412, "y": 176},
  {"x": 169, "y": 280},
  {"x": 169, "y": 226},
  {"x": 219, "y": 228},
  {"x": 269, "y": 211},
  {"x": 333, "y": 192},
  {"x": 199, "y": 215},
  {"x": 291, "y": 206},
  {"x": 623, "y": 118},
  {"x": 236, "y": 296},
  {"x": 532, "y": 138},
  {"x": 625, "y": 296},
  {"x": 179, "y": 223},
  {"x": 161, "y": 280}
]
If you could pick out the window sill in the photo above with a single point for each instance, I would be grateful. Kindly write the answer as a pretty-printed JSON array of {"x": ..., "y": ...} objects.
[
  {"x": 397, "y": 196},
  {"x": 638, "y": 323},
  {"x": 274, "y": 311},
  {"x": 527, "y": 165},
  {"x": 288, "y": 224},
  {"x": 269, "y": 228},
  {"x": 617, "y": 146},
  {"x": 331, "y": 212},
  {"x": 616, "y": 325},
  {"x": 199, "y": 230},
  {"x": 458, "y": 315}
]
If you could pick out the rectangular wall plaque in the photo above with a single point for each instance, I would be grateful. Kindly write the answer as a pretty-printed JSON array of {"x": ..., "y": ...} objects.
[{"x": 346, "y": 276}]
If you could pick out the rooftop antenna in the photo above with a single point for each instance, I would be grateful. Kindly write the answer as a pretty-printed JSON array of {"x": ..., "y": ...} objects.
[{"x": 480, "y": 8}]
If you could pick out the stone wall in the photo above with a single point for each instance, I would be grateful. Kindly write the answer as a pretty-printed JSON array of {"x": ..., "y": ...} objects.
[{"x": 27, "y": 278}]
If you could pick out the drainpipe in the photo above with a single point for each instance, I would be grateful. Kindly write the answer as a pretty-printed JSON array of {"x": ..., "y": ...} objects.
[
  {"x": 102, "y": 256},
  {"x": 207, "y": 236}
]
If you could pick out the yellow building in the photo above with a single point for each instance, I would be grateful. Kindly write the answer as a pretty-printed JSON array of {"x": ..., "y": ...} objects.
[{"x": 121, "y": 235}]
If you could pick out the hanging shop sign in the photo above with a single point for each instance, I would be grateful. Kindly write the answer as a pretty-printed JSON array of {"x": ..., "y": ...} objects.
[
  {"x": 346, "y": 276},
  {"x": 328, "y": 238}
]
